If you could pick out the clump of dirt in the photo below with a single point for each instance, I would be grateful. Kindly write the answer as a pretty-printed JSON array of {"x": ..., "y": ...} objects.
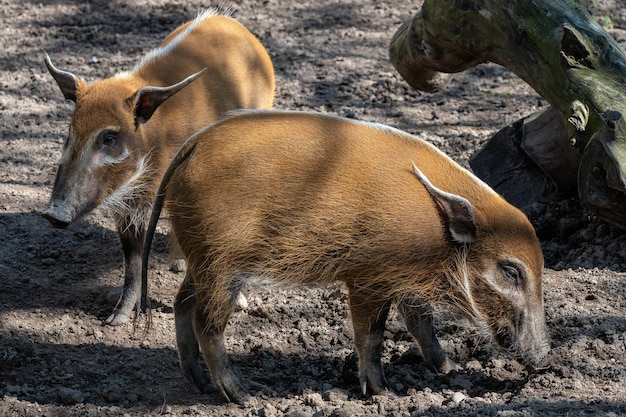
[{"x": 292, "y": 347}]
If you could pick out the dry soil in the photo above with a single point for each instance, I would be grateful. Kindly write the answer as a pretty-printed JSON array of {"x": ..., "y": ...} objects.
[{"x": 290, "y": 346}]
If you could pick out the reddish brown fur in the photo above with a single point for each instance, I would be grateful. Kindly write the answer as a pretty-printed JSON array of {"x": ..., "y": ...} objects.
[
  {"x": 240, "y": 76},
  {"x": 119, "y": 145},
  {"x": 305, "y": 198}
]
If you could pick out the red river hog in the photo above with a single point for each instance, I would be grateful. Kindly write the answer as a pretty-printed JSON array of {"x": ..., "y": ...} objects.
[
  {"x": 305, "y": 198},
  {"x": 126, "y": 129}
]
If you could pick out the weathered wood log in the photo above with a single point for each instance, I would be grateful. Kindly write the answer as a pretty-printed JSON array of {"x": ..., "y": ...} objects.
[
  {"x": 504, "y": 165},
  {"x": 530, "y": 160},
  {"x": 560, "y": 51}
]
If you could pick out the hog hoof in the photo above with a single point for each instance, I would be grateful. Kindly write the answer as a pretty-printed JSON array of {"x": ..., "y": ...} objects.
[
  {"x": 207, "y": 388},
  {"x": 385, "y": 392},
  {"x": 237, "y": 396},
  {"x": 230, "y": 389},
  {"x": 448, "y": 366},
  {"x": 196, "y": 375},
  {"x": 117, "y": 319}
]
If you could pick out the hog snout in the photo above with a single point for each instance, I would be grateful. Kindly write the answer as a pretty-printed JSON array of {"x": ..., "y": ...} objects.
[
  {"x": 75, "y": 193},
  {"x": 533, "y": 339},
  {"x": 529, "y": 342},
  {"x": 59, "y": 216},
  {"x": 534, "y": 353}
]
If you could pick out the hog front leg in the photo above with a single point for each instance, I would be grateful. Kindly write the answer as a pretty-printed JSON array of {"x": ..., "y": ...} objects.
[
  {"x": 368, "y": 319},
  {"x": 418, "y": 318},
  {"x": 132, "y": 240}
]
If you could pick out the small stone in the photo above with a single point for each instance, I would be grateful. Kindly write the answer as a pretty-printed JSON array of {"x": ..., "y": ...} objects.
[
  {"x": 48, "y": 261},
  {"x": 13, "y": 389},
  {"x": 461, "y": 381},
  {"x": 241, "y": 303},
  {"x": 268, "y": 410},
  {"x": 69, "y": 396},
  {"x": 349, "y": 409},
  {"x": 588, "y": 234},
  {"x": 473, "y": 366},
  {"x": 112, "y": 396},
  {"x": 457, "y": 397},
  {"x": 178, "y": 266},
  {"x": 335, "y": 394},
  {"x": 602, "y": 230},
  {"x": 398, "y": 387},
  {"x": 498, "y": 363},
  {"x": 314, "y": 400},
  {"x": 299, "y": 413}
]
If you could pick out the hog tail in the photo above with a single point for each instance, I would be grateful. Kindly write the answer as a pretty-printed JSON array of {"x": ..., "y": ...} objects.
[{"x": 183, "y": 153}]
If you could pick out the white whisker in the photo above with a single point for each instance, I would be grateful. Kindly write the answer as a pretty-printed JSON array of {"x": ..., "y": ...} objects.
[
  {"x": 458, "y": 278},
  {"x": 122, "y": 203}
]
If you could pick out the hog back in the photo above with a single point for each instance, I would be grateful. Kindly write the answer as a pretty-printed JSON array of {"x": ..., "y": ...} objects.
[{"x": 336, "y": 202}]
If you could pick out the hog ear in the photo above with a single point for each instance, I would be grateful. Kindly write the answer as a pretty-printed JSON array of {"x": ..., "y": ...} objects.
[
  {"x": 457, "y": 211},
  {"x": 148, "y": 99},
  {"x": 68, "y": 82}
]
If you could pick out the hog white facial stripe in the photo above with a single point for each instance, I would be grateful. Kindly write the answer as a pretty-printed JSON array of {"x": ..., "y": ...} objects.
[
  {"x": 110, "y": 160},
  {"x": 86, "y": 155},
  {"x": 504, "y": 291}
]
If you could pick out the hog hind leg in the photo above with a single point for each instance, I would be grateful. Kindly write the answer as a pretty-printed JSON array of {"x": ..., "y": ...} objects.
[
  {"x": 186, "y": 341},
  {"x": 418, "y": 318},
  {"x": 369, "y": 315},
  {"x": 209, "y": 322}
]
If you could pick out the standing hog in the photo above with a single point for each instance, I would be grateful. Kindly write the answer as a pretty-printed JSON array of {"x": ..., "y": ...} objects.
[
  {"x": 126, "y": 129},
  {"x": 311, "y": 199}
]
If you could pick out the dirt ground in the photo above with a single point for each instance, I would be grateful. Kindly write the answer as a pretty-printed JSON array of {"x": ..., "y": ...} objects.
[{"x": 58, "y": 359}]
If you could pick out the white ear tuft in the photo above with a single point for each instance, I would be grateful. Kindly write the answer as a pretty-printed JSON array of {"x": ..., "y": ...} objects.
[{"x": 457, "y": 212}]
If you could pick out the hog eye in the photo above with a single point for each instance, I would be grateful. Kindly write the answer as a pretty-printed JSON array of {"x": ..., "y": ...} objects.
[
  {"x": 513, "y": 273},
  {"x": 109, "y": 138},
  {"x": 107, "y": 141}
]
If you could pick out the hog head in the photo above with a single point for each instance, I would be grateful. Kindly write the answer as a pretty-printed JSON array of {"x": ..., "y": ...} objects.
[
  {"x": 106, "y": 155},
  {"x": 498, "y": 275}
]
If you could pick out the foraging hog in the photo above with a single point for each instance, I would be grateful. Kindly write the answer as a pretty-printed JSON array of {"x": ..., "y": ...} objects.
[
  {"x": 124, "y": 133},
  {"x": 308, "y": 198}
]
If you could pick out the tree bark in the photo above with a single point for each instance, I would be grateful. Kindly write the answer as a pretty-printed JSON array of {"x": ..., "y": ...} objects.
[
  {"x": 530, "y": 161},
  {"x": 560, "y": 51}
]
